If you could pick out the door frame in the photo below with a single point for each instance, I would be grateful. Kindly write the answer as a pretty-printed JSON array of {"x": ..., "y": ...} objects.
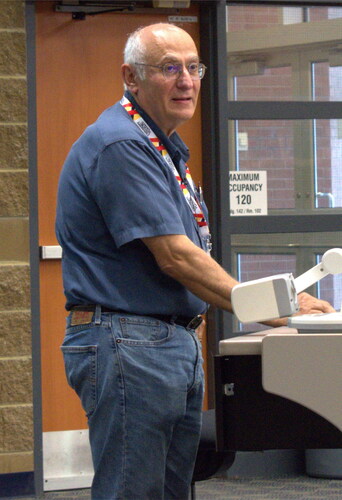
[
  {"x": 34, "y": 247},
  {"x": 208, "y": 11},
  {"x": 215, "y": 108}
]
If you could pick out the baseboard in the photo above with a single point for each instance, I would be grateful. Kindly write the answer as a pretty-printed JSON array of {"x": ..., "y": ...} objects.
[{"x": 16, "y": 484}]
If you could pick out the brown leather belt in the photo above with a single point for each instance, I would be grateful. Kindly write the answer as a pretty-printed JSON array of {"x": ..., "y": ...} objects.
[{"x": 186, "y": 321}]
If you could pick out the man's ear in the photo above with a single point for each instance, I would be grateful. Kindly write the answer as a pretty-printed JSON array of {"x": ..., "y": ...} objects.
[{"x": 129, "y": 77}]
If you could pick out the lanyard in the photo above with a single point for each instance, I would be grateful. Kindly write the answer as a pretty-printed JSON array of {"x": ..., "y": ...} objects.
[{"x": 190, "y": 198}]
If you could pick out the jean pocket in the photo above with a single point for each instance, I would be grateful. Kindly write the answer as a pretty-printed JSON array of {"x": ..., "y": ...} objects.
[
  {"x": 81, "y": 371},
  {"x": 140, "y": 330}
]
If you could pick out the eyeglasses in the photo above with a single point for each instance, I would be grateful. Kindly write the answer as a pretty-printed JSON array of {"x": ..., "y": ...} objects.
[{"x": 172, "y": 71}]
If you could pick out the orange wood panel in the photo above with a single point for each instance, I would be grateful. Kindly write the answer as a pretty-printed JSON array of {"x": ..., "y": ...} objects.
[
  {"x": 78, "y": 76},
  {"x": 61, "y": 407}
]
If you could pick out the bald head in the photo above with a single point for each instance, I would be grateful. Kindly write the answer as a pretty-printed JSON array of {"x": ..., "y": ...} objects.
[
  {"x": 145, "y": 44},
  {"x": 160, "y": 32}
]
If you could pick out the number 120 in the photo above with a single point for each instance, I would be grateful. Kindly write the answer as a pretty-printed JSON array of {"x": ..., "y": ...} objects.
[{"x": 244, "y": 199}]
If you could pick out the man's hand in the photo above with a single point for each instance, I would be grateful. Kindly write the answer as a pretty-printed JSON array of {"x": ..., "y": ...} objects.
[
  {"x": 310, "y": 305},
  {"x": 307, "y": 305}
]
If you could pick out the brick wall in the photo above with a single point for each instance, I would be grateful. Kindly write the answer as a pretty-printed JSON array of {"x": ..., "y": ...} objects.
[{"x": 16, "y": 428}]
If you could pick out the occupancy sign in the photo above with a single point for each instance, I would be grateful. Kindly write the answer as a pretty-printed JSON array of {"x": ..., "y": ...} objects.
[{"x": 248, "y": 193}]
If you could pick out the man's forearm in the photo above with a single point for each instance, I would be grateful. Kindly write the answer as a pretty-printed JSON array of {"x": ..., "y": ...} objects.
[{"x": 179, "y": 258}]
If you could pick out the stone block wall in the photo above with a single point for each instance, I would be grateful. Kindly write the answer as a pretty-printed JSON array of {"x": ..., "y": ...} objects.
[{"x": 16, "y": 425}]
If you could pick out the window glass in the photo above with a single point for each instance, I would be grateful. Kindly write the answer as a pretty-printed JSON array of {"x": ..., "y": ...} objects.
[
  {"x": 278, "y": 53},
  {"x": 256, "y": 256},
  {"x": 251, "y": 17},
  {"x": 269, "y": 146},
  {"x": 302, "y": 159},
  {"x": 321, "y": 13},
  {"x": 330, "y": 288},
  {"x": 327, "y": 79},
  {"x": 274, "y": 84},
  {"x": 328, "y": 157},
  {"x": 255, "y": 266},
  {"x": 289, "y": 53}
]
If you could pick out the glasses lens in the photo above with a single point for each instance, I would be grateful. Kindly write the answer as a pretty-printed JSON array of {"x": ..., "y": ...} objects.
[
  {"x": 196, "y": 70},
  {"x": 171, "y": 70},
  {"x": 193, "y": 69},
  {"x": 201, "y": 70}
]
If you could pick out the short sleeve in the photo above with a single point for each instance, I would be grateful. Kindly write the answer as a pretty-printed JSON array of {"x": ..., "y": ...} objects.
[{"x": 134, "y": 189}]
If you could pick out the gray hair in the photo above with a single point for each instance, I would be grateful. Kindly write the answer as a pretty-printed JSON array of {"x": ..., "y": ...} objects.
[{"x": 135, "y": 51}]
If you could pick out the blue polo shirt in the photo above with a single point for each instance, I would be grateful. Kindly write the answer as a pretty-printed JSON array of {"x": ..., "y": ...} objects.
[{"x": 115, "y": 188}]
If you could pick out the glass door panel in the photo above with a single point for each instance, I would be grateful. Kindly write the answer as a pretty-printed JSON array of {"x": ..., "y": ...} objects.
[
  {"x": 328, "y": 163},
  {"x": 330, "y": 288},
  {"x": 252, "y": 266},
  {"x": 302, "y": 159},
  {"x": 285, "y": 54},
  {"x": 250, "y": 17},
  {"x": 277, "y": 147},
  {"x": 257, "y": 256},
  {"x": 255, "y": 266},
  {"x": 327, "y": 79},
  {"x": 274, "y": 84}
]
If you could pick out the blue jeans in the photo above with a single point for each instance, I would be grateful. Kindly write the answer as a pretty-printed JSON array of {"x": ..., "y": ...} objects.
[{"x": 140, "y": 381}]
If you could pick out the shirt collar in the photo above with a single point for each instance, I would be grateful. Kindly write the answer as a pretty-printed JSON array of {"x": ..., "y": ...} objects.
[{"x": 176, "y": 148}]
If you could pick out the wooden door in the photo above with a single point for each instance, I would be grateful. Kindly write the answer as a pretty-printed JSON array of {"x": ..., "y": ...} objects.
[{"x": 78, "y": 76}]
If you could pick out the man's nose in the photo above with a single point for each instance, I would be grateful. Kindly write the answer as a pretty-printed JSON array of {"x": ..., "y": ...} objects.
[{"x": 184, "y": 78}]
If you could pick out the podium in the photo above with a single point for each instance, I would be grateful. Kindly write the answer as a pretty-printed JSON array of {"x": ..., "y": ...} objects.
[{"x": 279, "y": 389}]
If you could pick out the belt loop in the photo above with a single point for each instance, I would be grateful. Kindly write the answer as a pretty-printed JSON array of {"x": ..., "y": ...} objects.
[
  {"x": 98, "y": 314},
  {"x": 173, "y": 318}
]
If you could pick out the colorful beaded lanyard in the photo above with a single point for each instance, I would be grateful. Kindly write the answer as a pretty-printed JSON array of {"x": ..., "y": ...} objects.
[{"x": 191, "y": 200}]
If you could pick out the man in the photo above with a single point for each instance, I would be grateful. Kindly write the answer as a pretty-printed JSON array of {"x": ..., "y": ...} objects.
[{"x": 137, "y": 269}]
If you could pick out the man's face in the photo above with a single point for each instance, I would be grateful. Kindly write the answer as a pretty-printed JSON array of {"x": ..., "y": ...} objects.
[{"x": 169, "y": 102}]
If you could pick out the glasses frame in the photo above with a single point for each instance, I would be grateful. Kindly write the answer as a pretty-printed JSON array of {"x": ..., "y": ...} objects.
[{"x": 201, "y": 70}]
